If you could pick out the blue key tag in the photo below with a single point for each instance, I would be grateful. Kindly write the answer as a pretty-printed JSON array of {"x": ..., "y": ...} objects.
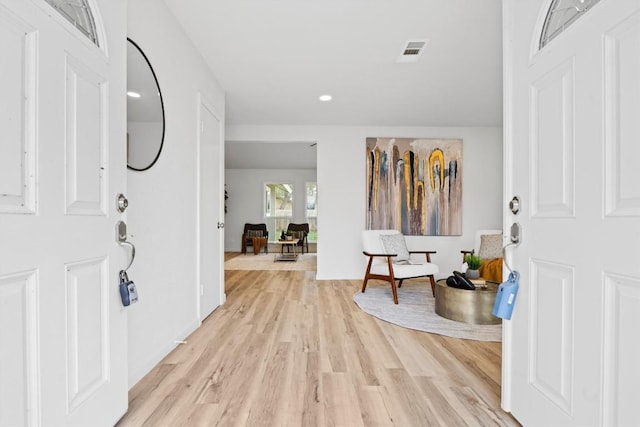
[
  {"x": 128, "y": 291},
  {"x": 506, "y": 296}
]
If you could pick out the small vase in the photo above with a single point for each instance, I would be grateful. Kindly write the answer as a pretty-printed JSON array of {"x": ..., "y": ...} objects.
[{"x": 472, "y": 274}]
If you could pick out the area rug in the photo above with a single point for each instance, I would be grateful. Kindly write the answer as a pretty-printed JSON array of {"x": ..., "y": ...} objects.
[
  {"x": 416, "y": 310},
  {"x": 306, "y": 262}
]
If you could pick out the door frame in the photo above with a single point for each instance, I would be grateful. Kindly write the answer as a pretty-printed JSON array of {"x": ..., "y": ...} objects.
[
  {"x": 201, "y": 101},
  {"x": 507, "y": 190},
  {"x": 508, "y": 168}
]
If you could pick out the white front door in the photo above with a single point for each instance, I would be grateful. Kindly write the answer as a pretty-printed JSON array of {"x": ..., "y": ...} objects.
[
  {"x": 63, "y": 330},
  {"x": 572, "y": 148},
  {"x": 210, "y": 212}
]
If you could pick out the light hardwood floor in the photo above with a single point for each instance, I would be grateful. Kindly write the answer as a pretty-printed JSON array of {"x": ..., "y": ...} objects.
[{"x": 287, "y": 350}]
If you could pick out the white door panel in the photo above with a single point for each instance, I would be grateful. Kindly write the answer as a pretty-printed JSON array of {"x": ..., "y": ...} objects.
[
  {"x": 19, "y": 388},
  {"x": 63, "y": 161},
  {"x": 621, "y": 353},
  {"x": 17, "y": 115},
  {"x": 573, "y": 148},
  {"x": 622, "y": 67},
  {"x": 86, "y": 139},
  {"x": 552, "y": 141}
]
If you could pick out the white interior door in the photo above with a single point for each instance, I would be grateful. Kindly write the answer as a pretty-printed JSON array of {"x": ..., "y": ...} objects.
[
  {"x": 211, "y": 211},
  {"x": 62, "y": 114},
  {"x": 572, "y": 133}
]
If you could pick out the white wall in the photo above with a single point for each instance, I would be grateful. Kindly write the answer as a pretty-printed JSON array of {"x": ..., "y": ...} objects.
[
  {"x": 163, "y": 200},
  {"x": 245, "y": 204},
  {"x": 341, "y": 178}
]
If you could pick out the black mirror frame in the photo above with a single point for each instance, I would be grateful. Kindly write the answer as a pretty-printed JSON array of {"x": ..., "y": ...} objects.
[{"x": 164, "y": 118}]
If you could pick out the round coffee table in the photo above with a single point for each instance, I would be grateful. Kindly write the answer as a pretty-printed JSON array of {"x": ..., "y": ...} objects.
[{"x": 466, "y": 306}]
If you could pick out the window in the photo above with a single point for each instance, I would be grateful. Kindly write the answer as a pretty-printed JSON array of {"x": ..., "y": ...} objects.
[
  {"x": 311, "y": 211},
  {"x": 563, "y": 13},
  {"x": 79, "y": 14},
  {"x": 278, "y": 207}
]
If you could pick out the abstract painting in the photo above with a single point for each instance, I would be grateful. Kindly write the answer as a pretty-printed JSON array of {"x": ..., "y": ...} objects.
[{"x": 414, "y": 185}]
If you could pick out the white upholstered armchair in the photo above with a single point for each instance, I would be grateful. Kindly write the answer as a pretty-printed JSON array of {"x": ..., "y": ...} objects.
[{"x": 390, "y": 260}]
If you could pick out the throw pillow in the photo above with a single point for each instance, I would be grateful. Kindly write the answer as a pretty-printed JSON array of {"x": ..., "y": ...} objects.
[
  {"x": 254, "y": 233},
  {"x": 490, "y": 246},
  {"x": 395, "y": 244}
]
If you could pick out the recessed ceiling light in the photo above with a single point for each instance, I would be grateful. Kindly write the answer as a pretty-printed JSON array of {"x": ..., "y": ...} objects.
[
  {"x": 325, "y": 98},
  {"x": 133, "y": 94}
]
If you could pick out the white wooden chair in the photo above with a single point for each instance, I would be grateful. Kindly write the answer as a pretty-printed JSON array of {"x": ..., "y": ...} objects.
[{"x": 381, "y": 263}]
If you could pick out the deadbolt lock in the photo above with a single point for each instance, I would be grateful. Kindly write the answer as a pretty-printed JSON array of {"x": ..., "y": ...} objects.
[
  {"x": 514, "y": 205},
  {"x": 121, "y": 203}
]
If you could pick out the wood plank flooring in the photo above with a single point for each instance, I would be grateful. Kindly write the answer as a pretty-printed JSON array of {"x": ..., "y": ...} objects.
[{"x": 287, "y": 350}]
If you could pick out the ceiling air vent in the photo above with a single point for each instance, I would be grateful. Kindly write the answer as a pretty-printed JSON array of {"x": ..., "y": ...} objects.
[{"x": 412, "y": 50}]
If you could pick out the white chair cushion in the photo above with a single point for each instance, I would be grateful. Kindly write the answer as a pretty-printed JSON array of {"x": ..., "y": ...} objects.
[
  {"x": 395, "y": 244},
  {"x": 371, "y": 240},
  {"x": 404, "y": 271},
  {"x": 480, "y": 233},
  {"x": 490, "y": 246}
]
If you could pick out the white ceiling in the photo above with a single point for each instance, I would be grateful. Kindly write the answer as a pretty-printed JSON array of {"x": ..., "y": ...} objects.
[{"x": 274, "y": 58}]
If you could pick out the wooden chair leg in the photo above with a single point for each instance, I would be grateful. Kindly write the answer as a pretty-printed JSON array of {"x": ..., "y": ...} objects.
[
  {"x": 388, "y": 278},
  {"x": 366, "y": 275},
  {"x": 391, "y": 279},
  {"x": 433, "y": 285},
  {"x": 400, "y": 283},
  {"x": 394, "y": 291}
]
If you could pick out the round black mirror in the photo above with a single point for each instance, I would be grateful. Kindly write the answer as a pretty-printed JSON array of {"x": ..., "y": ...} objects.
[{"x": 145, "y": 111}]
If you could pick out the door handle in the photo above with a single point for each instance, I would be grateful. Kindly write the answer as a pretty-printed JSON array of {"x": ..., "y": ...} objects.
[
  {"x": 516, "y": 238},
  {"x": 220, "y": 225},
  {"x": 121, "y": 238},
  {"x": 133, "y": 254}
]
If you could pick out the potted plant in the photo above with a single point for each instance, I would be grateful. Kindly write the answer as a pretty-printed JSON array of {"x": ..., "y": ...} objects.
[{"x": 473, "y": 265}]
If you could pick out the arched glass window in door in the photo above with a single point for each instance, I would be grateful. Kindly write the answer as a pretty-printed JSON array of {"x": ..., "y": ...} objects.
[
  {"x": 79, "y": 14},
  {"x": 563, "y": 13}
]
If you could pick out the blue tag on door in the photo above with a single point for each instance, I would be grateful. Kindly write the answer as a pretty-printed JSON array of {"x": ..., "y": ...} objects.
[{"x": 506, "y": 297}]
